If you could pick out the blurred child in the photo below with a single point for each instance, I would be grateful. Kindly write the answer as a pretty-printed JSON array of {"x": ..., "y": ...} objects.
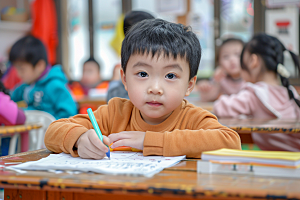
[
  {"x": 10, "y": 114},
  {"x": 159, "y": 66},
  {"x": 262, "y": 62},
  {"x": 116, "y": 87},
  {"x": 44, "y": 87},
  {"x": 91, "y": 79},
  {"x": 227, "y": 77}
]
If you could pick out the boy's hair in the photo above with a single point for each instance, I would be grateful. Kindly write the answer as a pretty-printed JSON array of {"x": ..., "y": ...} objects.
[
  {"x": 28, "y": 49},
  {"x": 270, "y": 49},
  {"x": 156, "y": 37},
  {"x": 227, "y": 41},
  {"x": 134, "y": 17},
  {"x": 93, "y": 60}
]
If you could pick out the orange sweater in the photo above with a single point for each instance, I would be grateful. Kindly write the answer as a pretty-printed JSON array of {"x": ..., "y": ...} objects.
[{"x": 189, "y": 130}]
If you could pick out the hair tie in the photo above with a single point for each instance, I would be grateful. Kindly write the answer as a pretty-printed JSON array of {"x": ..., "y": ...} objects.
[{"x": 282, "y": 71}]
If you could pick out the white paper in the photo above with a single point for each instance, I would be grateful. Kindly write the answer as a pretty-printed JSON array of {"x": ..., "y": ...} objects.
[{"x": 121, "y": 162}]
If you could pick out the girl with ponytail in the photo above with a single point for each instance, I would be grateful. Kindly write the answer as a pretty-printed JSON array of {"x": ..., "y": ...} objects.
[{"x": 267, "y": 94}]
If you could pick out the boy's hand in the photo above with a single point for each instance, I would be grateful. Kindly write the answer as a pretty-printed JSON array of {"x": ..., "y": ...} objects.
[
  {"x": 219, "y": 74},
  {"x": 133, "y": 139},
  {"x": 204, "y": 86},
  {"x": 90, "y": 146}
]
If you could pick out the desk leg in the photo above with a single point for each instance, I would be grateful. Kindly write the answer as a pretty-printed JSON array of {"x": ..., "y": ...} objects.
[
  {"x": 246, "y": 138},
  {"x": 13, "y": 143},
  {"x": 15, "y": 194}
]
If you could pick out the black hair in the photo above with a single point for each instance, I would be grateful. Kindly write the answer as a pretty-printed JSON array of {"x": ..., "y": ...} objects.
[
  {"x": 28, "y": 49},
  {"x": 271, "y": 50},
  {"x": 134, "y": 17},
  {"x": 93, "y": 60},
  {"x": 3, "y": 89},
  {"x": 156, "y": 37},
  {"x": 227, "y": 41}
]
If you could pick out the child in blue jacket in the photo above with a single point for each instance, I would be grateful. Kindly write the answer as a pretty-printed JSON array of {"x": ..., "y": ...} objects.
[{"x": 44, "y": 87}]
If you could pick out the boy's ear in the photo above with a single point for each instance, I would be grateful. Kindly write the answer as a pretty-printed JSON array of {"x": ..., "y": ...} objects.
[
  {"x": 41, "y": 65},
  {"x": 123, "y": 78},
  {"x": 191, "y": 85}
]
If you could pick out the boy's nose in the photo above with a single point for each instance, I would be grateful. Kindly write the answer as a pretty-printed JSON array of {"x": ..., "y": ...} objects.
[{"x": 155, "y": 89}]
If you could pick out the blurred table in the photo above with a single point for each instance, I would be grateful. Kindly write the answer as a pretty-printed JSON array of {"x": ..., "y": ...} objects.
[
  {"x": 246, "y": 126},
  {"x": 92, "y": 103},
  {"x": 15, "y": 131},
  {"x": 181, "y": 181}
]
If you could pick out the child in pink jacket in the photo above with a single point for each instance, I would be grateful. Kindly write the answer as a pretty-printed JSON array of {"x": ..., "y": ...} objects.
[
  {"x": 264, "y": 96},
  {"x": 227, "y": 77},
  {"x": 10, "y": 114}
]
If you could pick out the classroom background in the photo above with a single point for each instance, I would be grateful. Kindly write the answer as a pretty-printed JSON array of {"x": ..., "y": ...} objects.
[{"x": 90, "y": 28}]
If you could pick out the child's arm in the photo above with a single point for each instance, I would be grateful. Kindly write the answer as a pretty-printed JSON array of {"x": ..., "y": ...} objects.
[
  {"x": 202, "y": 133},
  {"x": 17, "y": 94},
  {"x": 62, "y": 100},
  {"x": 209, "y": 91},
  {"x": 234, "y": 105},
  {"x": 62, "y": 135},
  {"x": 10, "y": 114}
]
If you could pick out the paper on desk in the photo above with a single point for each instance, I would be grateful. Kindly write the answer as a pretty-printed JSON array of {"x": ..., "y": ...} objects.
[{"x": 121, "y": 162}]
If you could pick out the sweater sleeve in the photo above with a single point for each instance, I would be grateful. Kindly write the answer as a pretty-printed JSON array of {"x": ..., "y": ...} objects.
[
  {"x": 8, "y": 110},
  {"x": 235, "y": 104},
  {"x": 62, "y": 134},
  {"x": 206, "y": 134},
  {"x": 17, "y": 94},
  {"x": 63, "y": 103},
  {"x": 21, "y": 118}
]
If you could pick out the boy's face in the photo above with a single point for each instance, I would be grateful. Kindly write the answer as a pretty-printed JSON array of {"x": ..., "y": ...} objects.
[
  {"x": 157, "y": 86},
  {"x": 229, "y": 58},
  {"x": 90, "y": 74},
  {"x": 27, "y": 73}
]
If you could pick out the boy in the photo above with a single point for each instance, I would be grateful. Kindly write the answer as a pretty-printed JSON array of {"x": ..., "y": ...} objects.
[
  {"x": 44, "y": 87},
  {"x": 91, "y": 75},
  {"x": 91, "y": 78},
  {"x": 159, "y": 66}
]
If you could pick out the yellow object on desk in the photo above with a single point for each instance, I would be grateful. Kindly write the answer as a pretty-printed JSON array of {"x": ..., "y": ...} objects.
[
  {"x": 283, "y": 158},
  {"x": 22, "y": 104}
]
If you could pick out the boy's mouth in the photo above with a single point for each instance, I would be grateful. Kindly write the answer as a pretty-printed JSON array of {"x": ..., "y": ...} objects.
[{"x": 154, "y": 103}]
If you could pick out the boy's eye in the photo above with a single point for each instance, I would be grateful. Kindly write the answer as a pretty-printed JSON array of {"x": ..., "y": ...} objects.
[
  {"x": 142, "y": 74},
  {"x": 170, "y": 76}
]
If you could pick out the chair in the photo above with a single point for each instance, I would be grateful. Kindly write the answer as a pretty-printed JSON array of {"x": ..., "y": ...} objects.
[{"x": 36, "y": 137}]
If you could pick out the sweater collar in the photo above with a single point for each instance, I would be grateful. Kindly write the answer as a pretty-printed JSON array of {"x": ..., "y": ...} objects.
[{"x": 164, "y": 126}]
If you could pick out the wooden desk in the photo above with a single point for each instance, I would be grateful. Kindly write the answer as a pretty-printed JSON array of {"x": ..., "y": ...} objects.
[
  {"x": 15, "y": 132},
  {"x": 180, "y": 181},
  {"x": 7, "y": 130},
  {"x": 246, "y": 126}
]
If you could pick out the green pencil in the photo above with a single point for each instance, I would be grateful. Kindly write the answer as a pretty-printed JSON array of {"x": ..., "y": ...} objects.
[{"x": 96, "y": 127}]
